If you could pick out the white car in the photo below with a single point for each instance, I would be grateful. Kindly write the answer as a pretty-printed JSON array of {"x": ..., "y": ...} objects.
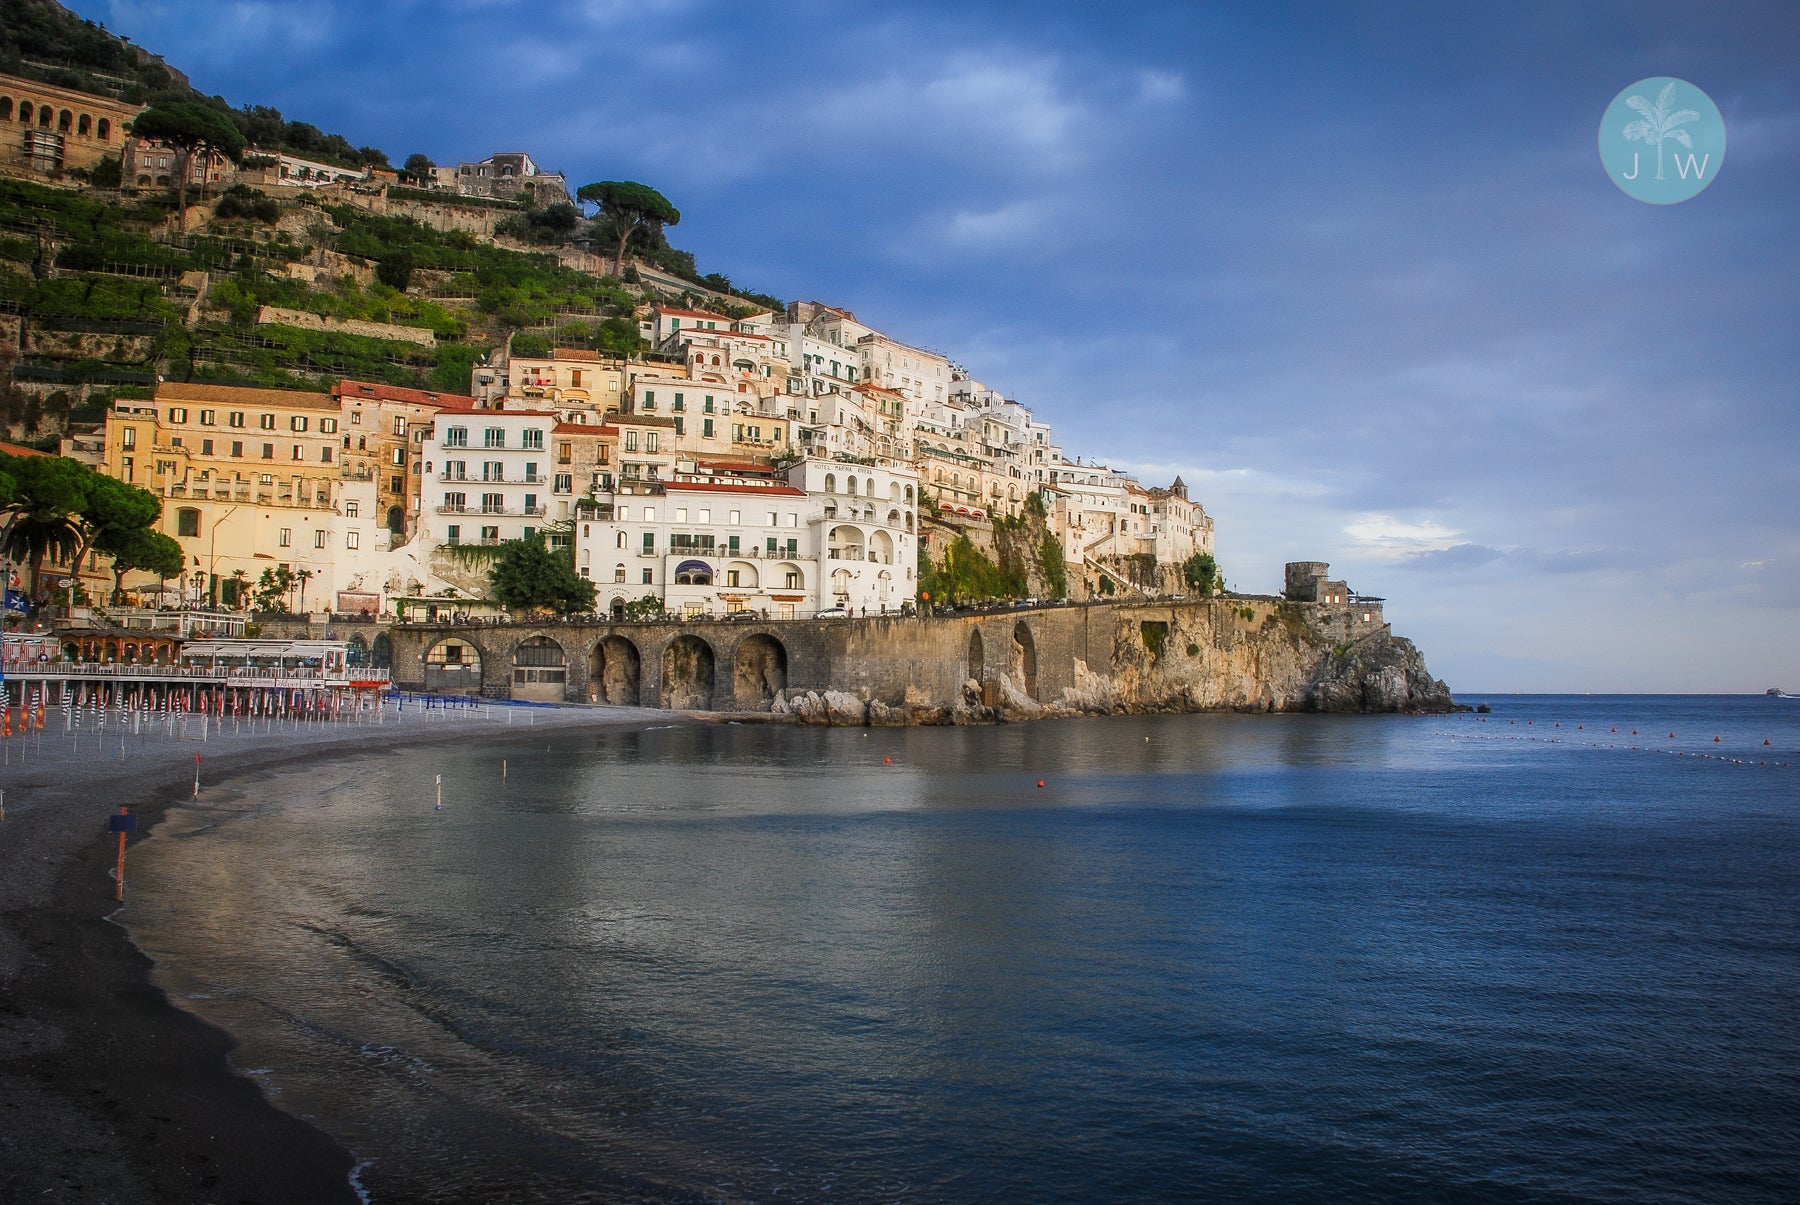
[{"x": 833, "y": 613}]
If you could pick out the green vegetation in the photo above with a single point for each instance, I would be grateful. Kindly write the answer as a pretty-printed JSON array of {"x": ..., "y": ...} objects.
[
  {"x": 43, "y": 41},
  {"x": 192, "y": 127},
  {"x": 531, "y": 576},
  {"x": 967, "y": 575},
  {"x": 1201, "y": 573},
  {"x": 1155, "y": 635},
  {"x": 629, "y": 207},
  {"x": 54, "y": 507}
]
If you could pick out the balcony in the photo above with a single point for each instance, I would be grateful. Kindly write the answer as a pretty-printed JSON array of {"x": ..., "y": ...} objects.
[
  {"x": 526, "y": 512},
  {"x": 465, "y": 478}
]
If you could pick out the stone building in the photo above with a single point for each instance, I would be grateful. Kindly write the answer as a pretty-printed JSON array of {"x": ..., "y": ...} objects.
[
  {"x": 48, "y": 129},
  {"x": 510, "y": 175}
]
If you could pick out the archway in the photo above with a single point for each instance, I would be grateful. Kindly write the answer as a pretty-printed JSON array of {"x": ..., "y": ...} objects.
[
  {"x": 613, "y": 672},
  {"x": 687, "y": 674},
  {"x": 381, "y": 653},
  {"x": 975, "y": 656},
  {"x": 1024, "y": 659},
  {"x": 540, "y": 673},
  {"x": 618, "y": 609},
  {"x": 452, "y": 666},
  {"x": 356, "y": 652},
  {"x": 761, "y": 671}
]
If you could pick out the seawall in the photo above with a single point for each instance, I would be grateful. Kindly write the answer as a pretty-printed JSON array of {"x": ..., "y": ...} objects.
[{"x": 1222, "y": 654}]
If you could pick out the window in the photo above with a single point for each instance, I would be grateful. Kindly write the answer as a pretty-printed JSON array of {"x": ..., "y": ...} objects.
[
  {"x": 268, "y": 452},
  {"x": 206, "y": 418},
  {"x": 325, "y": 454},
  {"x": 679, "y": 405},
  {"x": 679, "y": 428},
  {"x": 493, "y": 470},
  {"x": 235, "y": 418},
  {"x": 237, "y": 447},
  {"x": 493, "y": 504},
  {"x": 454, "y": 502},
  {"x": 494, "y": 437},
  {"x": 356, "y": 418},
  {"x": 575, "y": 378},
  {"x": 649, "y": 441},
  {"x": 618, "y": 573},
  {"x": 266, "y": 478},
  {"x": 353, "y": 539},
  {"x": 647, "y": 578},
  {"x": 328, "y": 425},
  {"x": 187, "y": 521},
  {"x": 565, "y": 452},
  {"x": 399, "y": 427},
  {"x": 531, "y": 473},
  {"x": 649, "y": 402},
  {"x": 351, "y": 509},
  {"x": 565, "y": 483},
  {"x": 297, "y": 422},
  {"x": 534, "y": 439},
  {"x": 266, "y": 422},
  {"x": 706, "y": 428},
  {"x": 793, "y": 579},
  {"x": 631, "y": 441},
  {"x": 731, "y": 578},
  {"x": 456, "y": 437},
  {"x": 287, "y": 537},
  {"x": 530, "y": 503},
  {"x": 453, "y": 533},
  {"x": 490, "y": 535},
  {"x": 130, "y": 438},
  {"x": 708, "y": 405},
  {"x": 206, "y": 447},
  {"x": 649, "y": 543},
  {"x": 319, "y": 538},
  {"x": 397, "y": 455},
  {"x": 299, "y": 452},
  {"x": 178, "y": 414}
]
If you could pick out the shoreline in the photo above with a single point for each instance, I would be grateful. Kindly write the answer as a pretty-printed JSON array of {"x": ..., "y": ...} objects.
[{"x": 110, "y": 1090}]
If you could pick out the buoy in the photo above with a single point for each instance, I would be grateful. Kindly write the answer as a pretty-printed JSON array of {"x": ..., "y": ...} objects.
[
  {"x": 1634, "y": 732},
  {"x": 1615, "y": 729},
  {"x": 1040, "y": 783},
  {"x": 1765, "y": 740},
  {"x": 1716, "y": 740},
  {"x": 888, "y": 760},
  {"x": 1671, "y": 736}
]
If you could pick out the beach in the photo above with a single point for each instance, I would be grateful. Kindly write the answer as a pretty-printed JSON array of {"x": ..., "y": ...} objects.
[{"x": 109, "y": 1091}]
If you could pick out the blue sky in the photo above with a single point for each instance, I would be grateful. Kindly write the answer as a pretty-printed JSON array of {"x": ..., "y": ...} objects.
[{"x": 1353, "y": 270}]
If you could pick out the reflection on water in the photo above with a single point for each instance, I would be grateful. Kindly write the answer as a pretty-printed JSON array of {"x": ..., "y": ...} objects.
[{"x": 1252, "y": 957}]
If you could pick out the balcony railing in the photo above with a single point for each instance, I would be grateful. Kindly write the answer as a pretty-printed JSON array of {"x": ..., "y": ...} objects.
[
  {"x": 528, "y": 512},
  {"x": 471, "y": 479}
]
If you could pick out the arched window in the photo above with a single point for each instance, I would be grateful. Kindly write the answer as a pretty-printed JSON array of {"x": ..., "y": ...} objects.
[
  {"x": 850, "y": 487},
  {"x": 831, "y": 483},
  {"x": 6, "y": 108},
  {"x": 45, "y": 113},
  {"x": 618, "y": 573},
  {"x": 909, "y": 494},
  {"x": 187, "y": 521},
  {"x": 693, "y": 573},
  {"x": 25, "y": 111},
  {"x": 85, "y": 126},
  {"x": 104, "y": 129},
  {"x": 65, "y": 121}
]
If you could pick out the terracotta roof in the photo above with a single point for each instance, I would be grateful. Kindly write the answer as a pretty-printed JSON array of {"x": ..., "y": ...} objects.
[
  {"x": 21, "y": 450},
  {"x": 396, "y": 393},
  {"x": 584, "y": 429},
  {"x": 737, "y": 487},
  {"x": 736, "y": 466},
  {"x": 575, "y": 353},
  {"x": 242, "y": 395}
]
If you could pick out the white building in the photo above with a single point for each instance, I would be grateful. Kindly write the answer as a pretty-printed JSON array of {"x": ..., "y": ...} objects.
[
  {"x": 723, "y": 539},
  {"x": 487, "y": 476}
]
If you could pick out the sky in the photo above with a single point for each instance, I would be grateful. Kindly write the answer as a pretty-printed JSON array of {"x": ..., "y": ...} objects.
[{"x": 1354, "y": 271}]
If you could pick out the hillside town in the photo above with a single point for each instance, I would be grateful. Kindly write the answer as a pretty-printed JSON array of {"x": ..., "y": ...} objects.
[{"x": 778, "y": 461}]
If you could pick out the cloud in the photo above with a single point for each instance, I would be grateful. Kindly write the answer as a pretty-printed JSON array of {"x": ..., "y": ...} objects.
[
  {"x": 1160, "y": 87},
  {"x": 1386, "y": 537}
]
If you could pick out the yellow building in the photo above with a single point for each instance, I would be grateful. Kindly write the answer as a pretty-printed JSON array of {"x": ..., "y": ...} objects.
[
  {"x": 250, "y": 479},
  {"x": 51, "y": 129}
]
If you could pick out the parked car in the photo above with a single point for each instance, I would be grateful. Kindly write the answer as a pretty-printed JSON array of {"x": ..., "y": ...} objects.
[{"x": 833, "y": 613}]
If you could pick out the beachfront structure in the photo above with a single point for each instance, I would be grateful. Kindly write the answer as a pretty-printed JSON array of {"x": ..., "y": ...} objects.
[{"x": 727, "y": 538}]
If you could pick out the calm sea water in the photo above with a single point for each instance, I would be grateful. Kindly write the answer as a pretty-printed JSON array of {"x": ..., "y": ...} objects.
[{"x": 1268, "y": 958}]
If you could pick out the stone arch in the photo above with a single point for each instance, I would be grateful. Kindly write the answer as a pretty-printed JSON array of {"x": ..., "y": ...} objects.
[
  {"x": 831, "y": 483},
  {"x": 381, "y": 652},
  {"x": 687, "y": 674},
  {"x": 977, "y": 657},
  {"x": 103, "y": 130},
  {"x": 84, "y": 125},
  {"x": 614, "y": 670},
  {"x": 540, "y": 670},
  {"x": 761, "y": 671},
  {"x": 65, "y": 121},
  {"x": 881, "y": 547},
  {"x": 396, "y": 520},
  {"x": 1024, "y": 659},
  {"x": 25, "y": 112},
  {"x": 453, "y": 666},
  {"x": 45, "y": 113},
  {"x": 747, "y": 577},
  {"x": 356, "y": 652},
  {"x": 850, "y": 486},
  {"x": 6, "y": 108}
]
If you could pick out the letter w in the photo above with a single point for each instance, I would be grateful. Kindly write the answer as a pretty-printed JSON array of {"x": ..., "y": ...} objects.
[{"x": 1699, "y": 172}]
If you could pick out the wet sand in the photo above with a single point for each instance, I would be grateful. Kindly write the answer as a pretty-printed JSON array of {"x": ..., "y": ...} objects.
[{"x": 108, "y": 1091}]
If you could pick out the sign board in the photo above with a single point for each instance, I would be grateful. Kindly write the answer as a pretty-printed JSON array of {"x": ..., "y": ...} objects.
[{"x": 121, "y": 824}]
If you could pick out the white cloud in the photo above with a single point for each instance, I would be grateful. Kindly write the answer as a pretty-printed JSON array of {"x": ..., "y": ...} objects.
[
  {"x": 1384, "y": 537},
  {"x": 1160, "y": 87}
]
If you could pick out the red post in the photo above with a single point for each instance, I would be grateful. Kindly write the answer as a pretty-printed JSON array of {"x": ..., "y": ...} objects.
[{"x": 119, "y": 886}]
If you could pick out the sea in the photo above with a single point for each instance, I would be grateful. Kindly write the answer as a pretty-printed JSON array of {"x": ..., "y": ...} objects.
[{"x": 1550, "y": 953}]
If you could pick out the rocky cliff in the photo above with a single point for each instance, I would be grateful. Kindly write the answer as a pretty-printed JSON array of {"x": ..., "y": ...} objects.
[{"x": 1229, "y": 654}]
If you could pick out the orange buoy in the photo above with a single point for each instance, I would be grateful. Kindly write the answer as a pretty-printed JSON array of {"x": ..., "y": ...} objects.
[
  {"x": 1765, "y": 740},
  {"x": 1671, "y": 736},
  {"x": 1716, "y": 740},
  {"x": 888, "y": 760},
  {"x": 1040, "y": 783}
]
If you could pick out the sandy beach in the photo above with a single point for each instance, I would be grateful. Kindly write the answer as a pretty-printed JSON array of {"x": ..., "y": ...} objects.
[{"x": 108, "y": 1091}]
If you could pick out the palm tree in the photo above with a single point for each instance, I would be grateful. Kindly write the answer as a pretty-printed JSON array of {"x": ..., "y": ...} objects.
[
  {"x": 241, "y": 593},
  {"x": 302, "y": 577},
  {"x": 1659, "y": 122}
]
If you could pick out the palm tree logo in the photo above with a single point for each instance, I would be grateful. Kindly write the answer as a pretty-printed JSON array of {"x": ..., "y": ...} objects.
[{"x": 1660, "y": 121}]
